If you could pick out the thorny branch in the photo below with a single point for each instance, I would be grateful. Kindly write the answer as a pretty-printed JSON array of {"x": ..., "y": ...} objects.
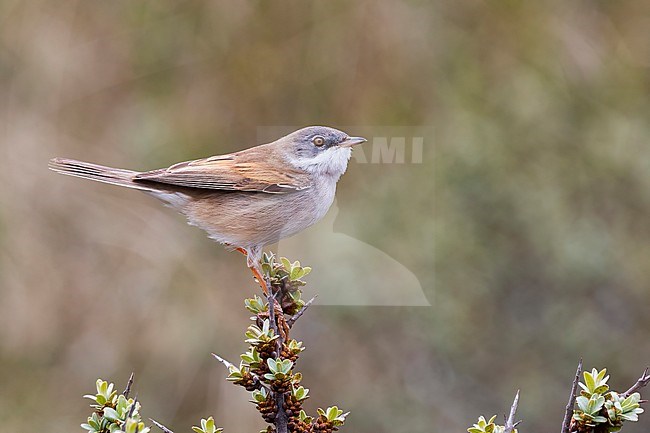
[
  {"x": 572, "y": 400},
  {"x": 129, "y": 383},
  {"x": 160, "y": 426},
  {"x": 270, "y": 297},
  {"x": 266, "y": 369},
  {"x": 281, "y": 419},
  {"x": 510, "y": 422},
  {"x": 133, "y": 406},
  {"x": 640, "y": 383},
  {"x": 223, "y": 361},
  {"x": 297, "y": 316}
]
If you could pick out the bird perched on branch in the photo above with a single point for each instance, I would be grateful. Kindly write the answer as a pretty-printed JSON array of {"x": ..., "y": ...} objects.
[{"x": 247, "y": 199}]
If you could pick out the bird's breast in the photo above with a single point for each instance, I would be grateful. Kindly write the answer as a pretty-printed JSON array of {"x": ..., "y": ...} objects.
[{"x": 247, "y": 219}]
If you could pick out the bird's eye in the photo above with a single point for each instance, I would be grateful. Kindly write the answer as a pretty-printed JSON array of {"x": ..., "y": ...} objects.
[{"x": 318, "y": 140}]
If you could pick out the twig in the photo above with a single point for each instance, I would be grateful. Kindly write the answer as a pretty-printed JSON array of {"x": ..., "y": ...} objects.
[
  {"x": 281, "y": 420},
  {"x": 223, "y": 361},
  {"x": 270, "y": 297},
  {"x": 300, "y": 312},
  {"x": 510, "y": 422},
  {"x": 640, "y": 383},
  {"x": 160, "y": 426},
  {"x": 271, "y": 300},
  {"x": 572, "y": 400},
  {"x": 132, "y": 408},
  {"x": 127, "y": 390}
]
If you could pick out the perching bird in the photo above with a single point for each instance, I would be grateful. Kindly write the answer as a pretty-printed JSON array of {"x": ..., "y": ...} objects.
[{"x": 247, "y": 199}]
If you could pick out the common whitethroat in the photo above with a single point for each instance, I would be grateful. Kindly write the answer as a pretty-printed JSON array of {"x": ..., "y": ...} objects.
[{"x": 247, "y": 199}]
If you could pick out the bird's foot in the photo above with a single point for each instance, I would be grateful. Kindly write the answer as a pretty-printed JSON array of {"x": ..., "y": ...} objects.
[
  {"x": 265, "y": 284},
  {"x": 256, "y": 272}
]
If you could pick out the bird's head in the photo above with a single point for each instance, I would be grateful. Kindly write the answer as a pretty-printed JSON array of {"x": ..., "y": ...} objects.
[{"x": 319, "y": 149}]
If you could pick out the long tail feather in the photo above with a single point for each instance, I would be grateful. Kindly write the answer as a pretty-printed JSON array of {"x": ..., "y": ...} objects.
[{"x": 100, "y": 173}]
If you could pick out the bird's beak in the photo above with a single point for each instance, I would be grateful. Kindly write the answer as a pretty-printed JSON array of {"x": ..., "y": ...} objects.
[{"x": 352, "y": 141}]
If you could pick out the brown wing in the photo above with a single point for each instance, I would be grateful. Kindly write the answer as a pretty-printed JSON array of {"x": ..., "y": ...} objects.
[{"x": 241, "y": 171}]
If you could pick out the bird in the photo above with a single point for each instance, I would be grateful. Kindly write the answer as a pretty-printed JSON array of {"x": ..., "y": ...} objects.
[{"x": 248, "y": 199}]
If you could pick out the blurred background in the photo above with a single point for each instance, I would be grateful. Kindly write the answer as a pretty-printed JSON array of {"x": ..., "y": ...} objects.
[{"x": 525, "y": 224}]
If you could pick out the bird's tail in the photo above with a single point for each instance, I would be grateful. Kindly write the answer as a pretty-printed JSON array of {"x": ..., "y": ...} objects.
[{"x": 100, "y": 173}]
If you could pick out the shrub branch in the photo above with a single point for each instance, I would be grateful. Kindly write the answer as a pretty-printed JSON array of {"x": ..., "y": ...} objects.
[
  {"x": 572, "y": 400},
  {"x": 640, "y": 383},
  {"x": 595, "y": 409}
]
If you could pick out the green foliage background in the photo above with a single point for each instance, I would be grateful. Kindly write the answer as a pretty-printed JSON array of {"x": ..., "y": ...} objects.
[{"x": 526, "y": 223}]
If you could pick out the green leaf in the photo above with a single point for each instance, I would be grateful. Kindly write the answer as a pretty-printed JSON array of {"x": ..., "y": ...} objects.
[
  {"x": 589, "y": 380},
  {"x": 259, "y": 396},
  {"x": 630, "y": 417},
  {"x": 110, "y": 414},
  {"x": 582, "y": 403},
  {"x": 296, "y": 273},
  {"x": 601, "y": 389},
  {"x": 300, "y": 393},
  {"x": 632, "y": 400},
  {"x": 333, "y": 412},
  {"x": 285, "y": 366},
  {"x": 94, "y": 421},
  {"x": 209, "y": 425}
]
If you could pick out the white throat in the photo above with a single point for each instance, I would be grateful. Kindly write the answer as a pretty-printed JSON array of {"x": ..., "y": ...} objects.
[{"x": 333, "y": 162}]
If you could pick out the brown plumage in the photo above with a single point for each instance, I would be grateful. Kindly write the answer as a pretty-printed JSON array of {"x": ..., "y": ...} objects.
[
  {"x": 247, "y": 199},
  {"x": 249, "y": 170}
]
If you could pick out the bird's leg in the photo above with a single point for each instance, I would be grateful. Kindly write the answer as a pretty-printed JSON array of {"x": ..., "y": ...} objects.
[
  {"x": 283, "y": 327},
  {"x": 257, "y": 274},
  {"x": 260, "y": 278}
]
